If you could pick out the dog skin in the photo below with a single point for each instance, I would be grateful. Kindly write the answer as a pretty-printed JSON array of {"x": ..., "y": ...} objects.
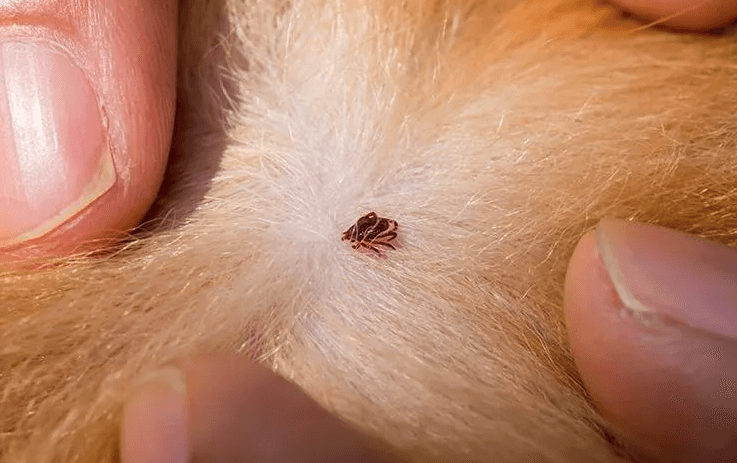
[{"x": 496, "y": 135}]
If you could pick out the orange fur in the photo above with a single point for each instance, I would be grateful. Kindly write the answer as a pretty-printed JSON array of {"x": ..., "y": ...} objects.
[{"x": 494, "y": 132}]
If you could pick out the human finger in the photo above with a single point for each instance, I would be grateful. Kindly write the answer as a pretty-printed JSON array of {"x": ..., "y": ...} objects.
[
  {"x": 87, "y": 90},
  {"x": 698, "y": 15},
  {"x": 652, "y": 319},
  {"x": 225, "y": 408}
]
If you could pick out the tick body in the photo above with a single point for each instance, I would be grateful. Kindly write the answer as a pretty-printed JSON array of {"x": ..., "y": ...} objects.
[{"x": 371, "y": 231}]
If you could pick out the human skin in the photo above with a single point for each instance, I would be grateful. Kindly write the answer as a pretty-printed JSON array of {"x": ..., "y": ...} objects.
[
  {"x": 139, "y": 147},
  {"x": 700, "y": 15},
  {"x": 107, "y": 71}
]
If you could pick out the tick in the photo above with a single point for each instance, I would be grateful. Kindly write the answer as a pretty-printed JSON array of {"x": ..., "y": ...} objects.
[{"x": 371, "y": 231}]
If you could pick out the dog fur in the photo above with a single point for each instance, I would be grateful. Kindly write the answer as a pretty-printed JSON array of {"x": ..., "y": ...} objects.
[{"x": 495, "y": 132}]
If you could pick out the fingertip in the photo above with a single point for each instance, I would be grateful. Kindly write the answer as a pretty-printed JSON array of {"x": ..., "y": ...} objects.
[
  {"x": 702, "y": 15},
  {"x": 81, "y": 169},
  {"x": 597, "y": 336},
  {"x": 577, "y": 297},
  {"x": 652, "y": 372},
  {"x": 154, "y": 423},
  {"x": 241, "y": 411},
  {"x": 605, "y": 348}
]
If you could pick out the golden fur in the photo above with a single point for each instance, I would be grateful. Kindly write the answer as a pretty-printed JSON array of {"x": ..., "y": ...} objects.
[{"x": 494, "y": 132}]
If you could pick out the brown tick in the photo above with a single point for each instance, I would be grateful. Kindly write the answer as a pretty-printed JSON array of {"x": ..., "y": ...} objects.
[{"x": 371, "y": 231}]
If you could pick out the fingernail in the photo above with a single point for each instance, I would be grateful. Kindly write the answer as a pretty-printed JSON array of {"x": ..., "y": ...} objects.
[
  {"x": 154, "y": 427},
  {"x": 54, "y": 155},
  {"x": 663, "y": 272}
]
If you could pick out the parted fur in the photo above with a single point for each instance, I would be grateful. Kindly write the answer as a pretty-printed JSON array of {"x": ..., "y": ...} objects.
[{"x": 494, "y": 132}]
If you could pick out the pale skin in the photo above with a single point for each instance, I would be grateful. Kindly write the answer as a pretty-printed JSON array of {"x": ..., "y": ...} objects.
[{"x": 629, "y": 380}]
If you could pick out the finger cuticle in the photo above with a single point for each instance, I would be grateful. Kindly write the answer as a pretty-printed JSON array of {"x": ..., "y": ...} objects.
[{"x": 662, "y": 274}]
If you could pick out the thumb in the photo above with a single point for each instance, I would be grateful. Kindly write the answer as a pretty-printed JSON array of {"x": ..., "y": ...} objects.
[
  {"x": 224, "y": 408},
  {"x": 652, "y": 319},
  {"x": 86, "y": 114}
]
